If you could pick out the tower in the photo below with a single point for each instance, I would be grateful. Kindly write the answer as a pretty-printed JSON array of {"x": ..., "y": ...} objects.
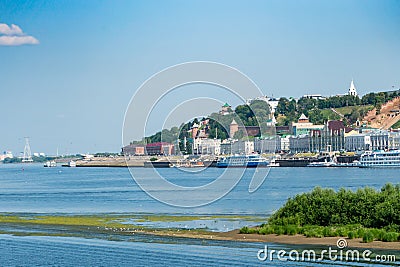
[
  {"x": 352, "y": 89},
  {"x": 233, "y": 128},
  {"x": 27, "y": 151}
]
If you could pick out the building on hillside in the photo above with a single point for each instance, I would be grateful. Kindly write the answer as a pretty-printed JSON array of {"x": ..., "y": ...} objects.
[
  {"x": 282, "y": 130},
  {"x": 315, "y": 96},
  {"x": 226, "y": 109},
  {"x": 271, "y": 101},
  {"x": 194, "y": 130},
  {"x": 352, "y": 89},
  {"x": 251, "y": 130},
  {"x": 247, "y": 130},
  {"x": 303, "y": 126}
]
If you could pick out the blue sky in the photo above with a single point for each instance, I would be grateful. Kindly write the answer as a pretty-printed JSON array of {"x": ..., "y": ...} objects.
[{"x": 72, "y": 88}]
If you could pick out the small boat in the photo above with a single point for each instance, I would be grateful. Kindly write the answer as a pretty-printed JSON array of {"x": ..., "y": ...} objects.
[
  {"x": 273, "y": 163},
  {"x": 50, "y": 164},
  {"x": 244, "y": 161},
  {"x": 325, "y": 163},
  {"x": 72, "y": 164}
]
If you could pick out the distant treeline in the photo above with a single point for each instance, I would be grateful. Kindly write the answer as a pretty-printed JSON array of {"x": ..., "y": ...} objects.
[
  {"x": 292, "y": 109},
  {"x": 258, "y": 113}
]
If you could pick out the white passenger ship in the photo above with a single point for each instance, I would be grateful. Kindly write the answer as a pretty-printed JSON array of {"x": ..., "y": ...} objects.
[
  {"x": 378, "y": 159},
  {"x": 246, "y": 161}
]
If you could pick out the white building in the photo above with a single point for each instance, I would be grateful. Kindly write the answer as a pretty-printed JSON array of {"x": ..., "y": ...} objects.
[
  {"x": 394, "y": 140},
  {"x": 206, "y": 146},
  {"x": 285, "y": 143},
  {"x": 267, "y": 145},
  {"x": 242, "y": 147},
  {"x": 272, "y": 102},
  {"x": 374, "y": 140},
  {"x": 352, "y": 89},
  {"x": 357, "y": 142},
  {"x": 5, "y": 155}
]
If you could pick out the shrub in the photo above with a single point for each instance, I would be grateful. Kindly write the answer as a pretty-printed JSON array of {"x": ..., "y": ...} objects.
[
  {"x": 266, "y": 230},
  {"x": 390, "y": 237},
  {"x": 360, "y": 232},
  {"x": 291, "y": 230},
  {"x": 279, "y": 230},
  {"x": 247, "y": 230},
  {"x": 351, "y": 235},
  {"x": 328, "y": 232},
  {"x": 368, "y": 237}
]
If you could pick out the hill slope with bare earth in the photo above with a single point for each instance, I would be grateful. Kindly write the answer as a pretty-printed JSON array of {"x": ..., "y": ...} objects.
[{"x": 388, "y": 115}]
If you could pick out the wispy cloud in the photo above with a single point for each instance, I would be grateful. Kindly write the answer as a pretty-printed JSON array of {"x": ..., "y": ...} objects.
[{"x": 13, "y": 36}]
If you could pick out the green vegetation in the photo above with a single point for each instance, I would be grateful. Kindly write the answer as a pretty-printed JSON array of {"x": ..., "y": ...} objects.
[
  {"x": 366, "y": 213},
  {"x": 288, "y": 110},
  {"x": 319, "y": 110},
  {"x": 396, "y": 125},
  {"x": 255, "y": 114},
  {"x": 35, "y": 159}
]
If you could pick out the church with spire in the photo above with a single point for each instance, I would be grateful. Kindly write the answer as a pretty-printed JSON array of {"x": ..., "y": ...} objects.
[{"x": 352, "y": 89}]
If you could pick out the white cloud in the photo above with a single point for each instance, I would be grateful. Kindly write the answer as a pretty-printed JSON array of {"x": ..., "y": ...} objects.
[
  {"x": 7, "y": 30},
  {"x": 13, "y": 36},
  {"x": 17, "y": 40}
]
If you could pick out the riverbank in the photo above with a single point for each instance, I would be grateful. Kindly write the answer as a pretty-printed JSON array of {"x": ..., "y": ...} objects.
[{"x": 114, "y": 225}]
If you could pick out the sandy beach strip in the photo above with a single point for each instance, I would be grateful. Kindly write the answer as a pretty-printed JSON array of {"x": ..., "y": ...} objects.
[{"x": 272, "y": 238}]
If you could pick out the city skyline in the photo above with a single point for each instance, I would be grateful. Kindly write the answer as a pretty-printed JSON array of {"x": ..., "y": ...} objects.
[{"x": 70, "y": 69}]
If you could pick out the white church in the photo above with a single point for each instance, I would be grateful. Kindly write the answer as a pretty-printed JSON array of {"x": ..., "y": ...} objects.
[{"x": 352, "y": 89}]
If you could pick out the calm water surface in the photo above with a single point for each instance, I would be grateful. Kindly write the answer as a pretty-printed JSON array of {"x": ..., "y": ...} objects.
[{"x": 34, "y": 189}]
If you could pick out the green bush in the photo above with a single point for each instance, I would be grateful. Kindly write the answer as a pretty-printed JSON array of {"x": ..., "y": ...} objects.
[
  {"x": 325, "y": 207},
  {"x": 368, "y": 237},
  {"x": 328, "y": 232},
  {"x": 279, "y": 230},
  {"x": 366, "y": 213},
  {"x": 266, "y": 230},
  {"x": 247, "y": 230},
  {"x": 290, "y": 230},
  {"x": 390, "y": 237},
  {"x": 351, "y": 235}
]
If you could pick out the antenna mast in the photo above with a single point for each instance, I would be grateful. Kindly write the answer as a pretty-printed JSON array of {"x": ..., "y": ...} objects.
[{"x": 27, "y": 151}]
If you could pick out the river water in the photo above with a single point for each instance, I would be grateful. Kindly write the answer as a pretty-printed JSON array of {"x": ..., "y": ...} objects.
[{"x": 34, "y": 189}]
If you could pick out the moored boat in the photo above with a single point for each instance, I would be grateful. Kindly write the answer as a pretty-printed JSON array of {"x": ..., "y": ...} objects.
[
  {"x": 244, "y": 161},
  {"x": 50, "y": 164},
  {"x": 380, "y": 159}
]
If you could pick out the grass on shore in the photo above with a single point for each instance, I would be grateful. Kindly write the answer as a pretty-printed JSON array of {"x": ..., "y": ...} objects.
[{"x": 349, "y": 231}]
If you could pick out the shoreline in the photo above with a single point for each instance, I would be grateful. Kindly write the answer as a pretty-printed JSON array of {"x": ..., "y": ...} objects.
[
  {"x": 298, "y": 240},
  {"x": 90, "y": 225}
]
